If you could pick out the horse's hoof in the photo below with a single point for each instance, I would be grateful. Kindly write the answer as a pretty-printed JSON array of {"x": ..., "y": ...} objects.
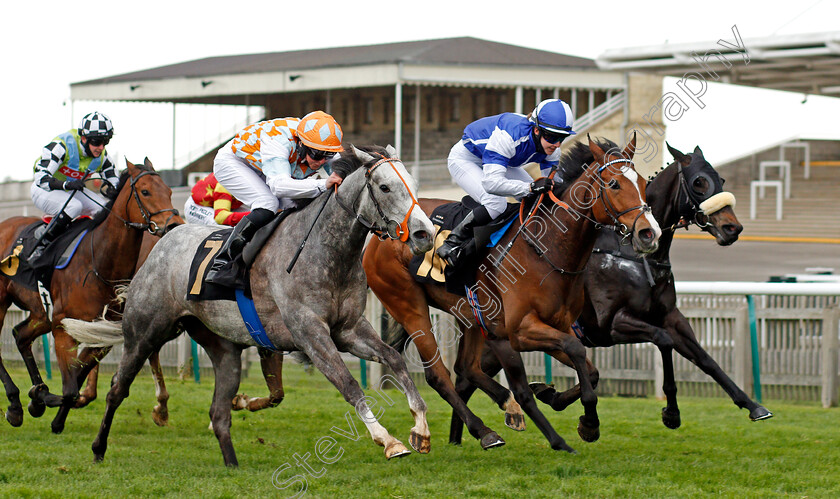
[
  {"x": 515, "y": 422},
  {"x": 588, "y": 433},
  {"x": 542, "y": 392},
  {"x": 671, "y": 418},
  {"x": 57, "y": 428},
  {"x": 491, "y": 439},
  {"x": 562, "y": 445},
  {"x": 760, "y": 413},
  {"x": 98, "y": 458},
  {"x": 36, "y": 408},
  {"x": 420, "y": 443},
  {"x": 82, "y": 401},
  {"x": 14, "y": 415},
  {"x": 160, "y": 417},
  {"x": 396, "y": 449},
  {"x": 240, "y": 401}
]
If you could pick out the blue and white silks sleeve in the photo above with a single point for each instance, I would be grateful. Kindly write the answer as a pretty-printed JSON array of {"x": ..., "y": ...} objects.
[{"x": 500, "y": 148}]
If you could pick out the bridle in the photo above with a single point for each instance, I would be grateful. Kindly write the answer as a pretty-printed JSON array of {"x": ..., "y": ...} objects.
[
  {"x": 695, "y": 215},
  {"x": 148, "y": 224},
  {"x": 392, "y": 228}
]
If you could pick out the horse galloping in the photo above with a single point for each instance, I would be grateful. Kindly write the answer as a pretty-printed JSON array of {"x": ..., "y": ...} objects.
[
  {"x": 316, "y": 308},
  {"x": 624, "y": 305},
  {"x": 532, "y": 284},
  {"x": 106, "y": 257}
]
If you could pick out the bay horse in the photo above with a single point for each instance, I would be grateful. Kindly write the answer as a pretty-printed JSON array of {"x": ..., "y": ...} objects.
[
  {"x": 531, "y": 288},
  {"x": 631, "y": 300},
  {"x": 106, "y": 257},
  {"x": 317, "y": 308}
]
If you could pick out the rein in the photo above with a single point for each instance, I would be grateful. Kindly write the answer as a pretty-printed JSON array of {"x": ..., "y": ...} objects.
[{"x": 392, "y": 229}]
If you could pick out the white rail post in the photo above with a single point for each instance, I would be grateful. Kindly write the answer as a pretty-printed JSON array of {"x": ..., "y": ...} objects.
[
  {"x": 829, "y": 350},
  {"x": 742, "y": 360}
]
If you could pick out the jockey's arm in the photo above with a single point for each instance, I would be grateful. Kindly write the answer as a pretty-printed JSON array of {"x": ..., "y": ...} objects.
[
  {"x": 108, "y": 172},
  {"x": 495, "y": 182},
  {"x": 278, "y": 173},
  {"x": 51, "y": 157}
]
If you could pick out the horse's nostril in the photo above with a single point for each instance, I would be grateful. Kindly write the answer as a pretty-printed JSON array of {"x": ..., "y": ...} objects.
[
  {"x": 421, "y": 234},
  {"x": 732, "y": 229},
  {"x": 646, "y": 235}
]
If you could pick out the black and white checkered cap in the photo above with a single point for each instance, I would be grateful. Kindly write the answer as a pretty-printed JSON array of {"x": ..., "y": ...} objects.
[{"x": 96, "y": 124}]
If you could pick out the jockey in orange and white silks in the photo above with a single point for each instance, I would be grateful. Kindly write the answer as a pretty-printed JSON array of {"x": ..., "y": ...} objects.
[{"x": 267, "y": 166}]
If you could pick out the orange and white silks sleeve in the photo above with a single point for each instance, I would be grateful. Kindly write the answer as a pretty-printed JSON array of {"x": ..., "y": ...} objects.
[{"x": 223, "y": 206}]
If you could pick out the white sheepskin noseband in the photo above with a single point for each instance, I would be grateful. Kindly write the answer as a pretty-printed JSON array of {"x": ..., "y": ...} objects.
[{"x": 717, "y": 202}]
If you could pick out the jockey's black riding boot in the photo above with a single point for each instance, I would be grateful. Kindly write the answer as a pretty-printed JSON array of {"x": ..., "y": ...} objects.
[
  {"x": 228, "y": 268},
  {"x": 453, "y": 248},
  {"x": 55, "y": 228}
]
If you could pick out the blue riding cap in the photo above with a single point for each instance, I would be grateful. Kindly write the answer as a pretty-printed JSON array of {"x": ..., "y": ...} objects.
[{"x": 553, "y": 115}]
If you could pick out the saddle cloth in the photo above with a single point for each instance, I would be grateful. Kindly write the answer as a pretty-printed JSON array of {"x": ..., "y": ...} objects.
[
  {"x": 57, "y": 254},
  {"x": 429, "y": 267},
  {"x": 199, "y": 289}
]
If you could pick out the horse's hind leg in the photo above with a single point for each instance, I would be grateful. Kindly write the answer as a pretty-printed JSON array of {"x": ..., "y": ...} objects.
[
  {"x": 227, "y": 365},
  {"x": 160, "y": 413},
  {"x": 471, "y": 353},
  {"x": 364, "y": 342},
  {"x": 88, "y": 395},
  {"x": 14, "y": 413},
  {"x": 74, "y": 370},
  {"x": 271, "y": 364}
]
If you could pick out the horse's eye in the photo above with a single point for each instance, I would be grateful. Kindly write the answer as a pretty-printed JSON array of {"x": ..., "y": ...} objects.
[
  {"x": 613, "y": 184},
  {"x": 700, "y": 184},
  {"x": 144, "y": 192},
  {"x": 384, "y": 188}
]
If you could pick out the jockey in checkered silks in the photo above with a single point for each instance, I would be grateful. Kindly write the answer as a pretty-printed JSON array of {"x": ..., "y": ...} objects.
[{"x": 64, "y": 164}]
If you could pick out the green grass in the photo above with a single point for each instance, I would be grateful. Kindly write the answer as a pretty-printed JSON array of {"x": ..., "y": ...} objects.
[{"x": 717, "y": 451}]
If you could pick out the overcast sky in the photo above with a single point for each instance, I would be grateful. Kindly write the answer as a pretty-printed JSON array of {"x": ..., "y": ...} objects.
[{"x": 46, "y": 45}]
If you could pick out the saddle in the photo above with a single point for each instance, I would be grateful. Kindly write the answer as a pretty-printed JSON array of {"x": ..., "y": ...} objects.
[
  {"x": 57, "y": 254},
  {"x": 199, "y": 289},
  {"x": 429, "y": 267}
]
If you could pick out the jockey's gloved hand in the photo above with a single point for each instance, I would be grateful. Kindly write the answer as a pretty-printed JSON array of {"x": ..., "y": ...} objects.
[
  {"x": 108, "y": 190},
  {"x": 541, "y": 185},
  {"x": 74, "y": 185}
]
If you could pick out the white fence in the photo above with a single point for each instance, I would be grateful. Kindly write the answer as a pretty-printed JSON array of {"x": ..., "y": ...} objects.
[{"x": 796, "y": 345}]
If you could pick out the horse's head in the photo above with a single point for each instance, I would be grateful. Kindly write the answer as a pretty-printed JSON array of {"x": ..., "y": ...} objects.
[
  {"x": 391, "y": 199},
  {"x": 146, "y": 199},
  {"x": 620, "y": 198},
  {"x": 702, "y": 199}
]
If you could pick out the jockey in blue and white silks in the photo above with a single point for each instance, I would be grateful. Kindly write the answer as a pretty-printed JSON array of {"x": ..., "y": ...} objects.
[{"x": 488, "y": 163}]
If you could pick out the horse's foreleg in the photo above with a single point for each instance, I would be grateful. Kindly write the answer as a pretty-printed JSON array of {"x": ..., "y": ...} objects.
[
  {"x": 534, "y": 335},
  {"x": 88, "y": 394},
  {"x": 514, "y": 368},
  {"x": 317, "y": 344},
  {"x": 363, "y": 341},
  {"x": 14, "y": 413},
  {"x": 271, "y": 364},
  {"x": 489, "y": 365},
  {"x": 685, "y": 342},
  {"x": 25, "y": 334},
  {"x": 160, "y": 413}
]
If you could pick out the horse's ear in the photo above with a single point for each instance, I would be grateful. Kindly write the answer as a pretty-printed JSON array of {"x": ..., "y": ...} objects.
[
  {"x": 365, "y": 157},
  {"x": 698, "y": 151},
  {"x": 630, "y": 150},
  {"x": 392, "y": 153},
  {"x": 129, "y": 165},
  {"x": 595, "y": 149},
  {"x": 678, "y": 156},
  {"x": 148, "y": 163}
]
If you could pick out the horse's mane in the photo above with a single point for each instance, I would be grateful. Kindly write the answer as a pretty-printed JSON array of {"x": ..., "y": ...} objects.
[
  {"x": 575, "y": 160},
  {"x": 347, "y": 162},
  {"x": 125, "y": 177}
]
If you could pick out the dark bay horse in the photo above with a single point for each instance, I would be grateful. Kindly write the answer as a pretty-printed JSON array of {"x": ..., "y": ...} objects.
[
  {"x": 530, "y": 288},
  {"x": 317, "y": 308},
  {"x": 629, "y": 300},
  {"x": 106, "y": 257}
]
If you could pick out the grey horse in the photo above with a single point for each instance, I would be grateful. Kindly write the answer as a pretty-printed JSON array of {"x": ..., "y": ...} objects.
[{"x": 317, "y": 308}]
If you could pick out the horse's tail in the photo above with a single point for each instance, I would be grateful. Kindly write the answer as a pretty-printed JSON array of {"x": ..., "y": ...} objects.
[
  {"x": 100, "y": 333},
  {"x": 394, "y": 334}
]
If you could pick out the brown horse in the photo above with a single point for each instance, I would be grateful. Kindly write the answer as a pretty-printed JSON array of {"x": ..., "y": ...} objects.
[
  {"x": 107, "y": 256},
  {"x": 630, "y": 300},
  {"x": 530, "y": 288}
]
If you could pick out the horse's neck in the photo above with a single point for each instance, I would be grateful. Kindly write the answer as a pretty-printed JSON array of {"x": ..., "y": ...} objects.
[
  {"x": 341, "y": 235},
  {"x": 663, "y": 196},
  {"x": 116, "y": 246}
]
